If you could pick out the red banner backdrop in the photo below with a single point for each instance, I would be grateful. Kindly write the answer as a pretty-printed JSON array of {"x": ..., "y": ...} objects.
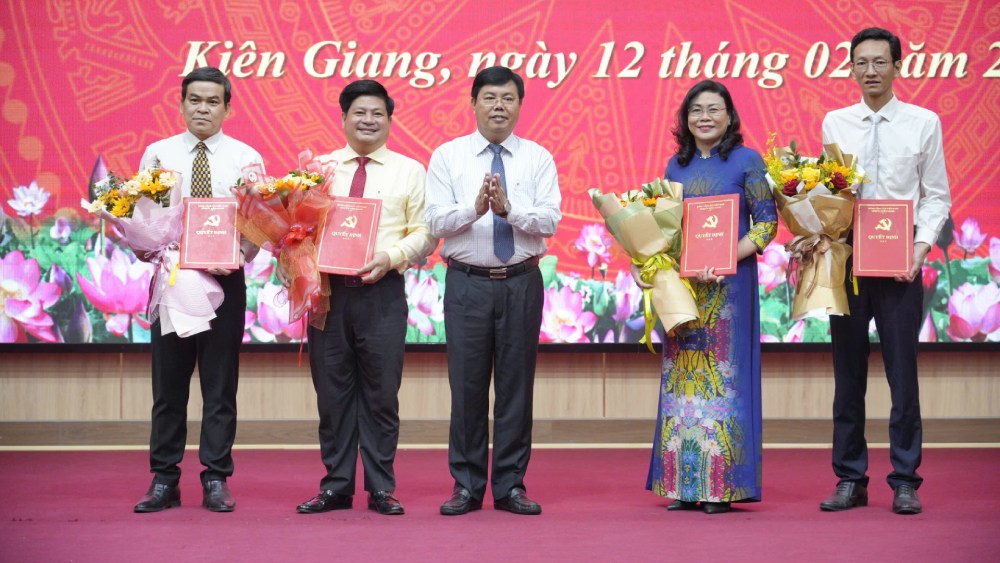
[{"x": 83, "y": 79}]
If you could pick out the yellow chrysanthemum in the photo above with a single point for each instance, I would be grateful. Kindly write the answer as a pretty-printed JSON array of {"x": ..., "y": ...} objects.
[
  {"x": 121, "y": 207},
  {"x": 154, "y": 187}
]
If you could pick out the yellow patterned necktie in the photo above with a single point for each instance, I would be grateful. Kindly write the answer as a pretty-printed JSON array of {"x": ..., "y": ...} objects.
[{"x": 201, "y": 174}]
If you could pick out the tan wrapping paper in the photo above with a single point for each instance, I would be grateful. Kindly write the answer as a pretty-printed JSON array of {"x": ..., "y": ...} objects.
[{"x": 652, "y": 236}]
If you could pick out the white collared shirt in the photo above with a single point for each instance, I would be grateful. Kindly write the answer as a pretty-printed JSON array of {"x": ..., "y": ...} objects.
[
  {"x": 226, "y": 158},
  {"x": 398, "y": 181},
  {"x": 454, "y": 178},
  {"x": 910, "y": 158}
]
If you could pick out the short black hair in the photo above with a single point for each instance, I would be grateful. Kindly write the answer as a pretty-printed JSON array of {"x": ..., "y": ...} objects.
[
  {"x": 207, "y": 74},
  {"x": 497, "y": 76},
  {"x": 686, "y": 145},
  {"x": 359, "y": 88},
  {"x": 879, "y": 34}
]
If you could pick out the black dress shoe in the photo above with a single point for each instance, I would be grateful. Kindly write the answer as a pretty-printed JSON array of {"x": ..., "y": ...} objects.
[
  {"x": 216, "y": 497},
  {"x": 848, "y": 495},
  {"x": 906, "y": 501},
  {"x": 461, "y": 502},
  {"x": 159, "y": 497},
  {"x": 715, "y": 507},
  {"x": 325, "y": 501},
  {"x": 384, "y": 503},
  {"x": 518, "y": 503},
  {"x": 683, "y": 505}
]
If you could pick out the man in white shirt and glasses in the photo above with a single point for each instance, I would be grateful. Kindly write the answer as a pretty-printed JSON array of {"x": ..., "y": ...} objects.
[{"x": 900, "y": 147}]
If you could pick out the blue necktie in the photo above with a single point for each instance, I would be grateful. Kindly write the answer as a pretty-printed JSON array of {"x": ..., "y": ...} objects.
[{"x": 503, "y": 233}]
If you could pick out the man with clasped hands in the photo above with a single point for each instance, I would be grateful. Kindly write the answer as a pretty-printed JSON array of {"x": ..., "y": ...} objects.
[{"x": 494, "y": 199}]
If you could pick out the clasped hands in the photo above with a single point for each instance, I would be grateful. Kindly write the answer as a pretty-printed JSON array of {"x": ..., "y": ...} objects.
[{"x": 492, "y": 196}]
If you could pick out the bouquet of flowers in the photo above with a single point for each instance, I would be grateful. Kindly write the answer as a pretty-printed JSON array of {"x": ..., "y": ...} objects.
[
  {"x": 815, "y": 198},
  {"x": 283, "y": 216},
  {"x": 118, "y": 196},
  {"x": 183, "y": 300},
  {"x": 647, "y": 223}
]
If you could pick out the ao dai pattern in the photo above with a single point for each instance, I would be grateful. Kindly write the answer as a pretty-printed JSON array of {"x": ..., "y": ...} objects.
[{"x": 708, "y": 431}]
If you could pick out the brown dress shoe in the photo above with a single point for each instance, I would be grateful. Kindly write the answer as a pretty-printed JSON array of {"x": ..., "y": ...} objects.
[
  {"x": 517, "y": 502},
  {"x": 159, "y": 497},
  {"x": 906, "y": 501},
  {"x": 461, "y": 502},
  {"x": 384, "y": 503},
  {"x": 216, "y": 497},
  {"x": 325, "y": 501},
  {"x": 848, "y": 495}
]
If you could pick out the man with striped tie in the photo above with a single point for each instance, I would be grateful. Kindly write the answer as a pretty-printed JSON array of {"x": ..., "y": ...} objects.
[
  {"x": 494, "y": 199},
  {"x": 209, "y": 162}
]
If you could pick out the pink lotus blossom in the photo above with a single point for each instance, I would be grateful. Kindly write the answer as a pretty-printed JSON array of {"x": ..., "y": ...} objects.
[
  {"x": 969, "y": 237},
  {"x": 23, "y": 300},
  {"x": 260, "y": 268},
  {"x": 995, "y": 259},
  {"x": 772, "y": 266},
  {"x": 29, "y": 200},
  {"x": 974, "y": 312},
  {"x": 596, "y": 242},
  {"x": 628, "y": 296},
  {"x": 61, "y": 230},
  {"x": 119, "y": 288},
  {"x": 928, "y": 333},
  {"x": 272, "y": 315},
  {"x": 796, "y": 333},
  {"x": 563, "y": 317},
  {"x": 424, "y": 301},
  {"x": 249, "y": 318}
]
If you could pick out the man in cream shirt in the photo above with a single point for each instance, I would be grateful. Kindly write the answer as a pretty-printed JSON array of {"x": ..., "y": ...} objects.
[{"x": 357, "y": 357}]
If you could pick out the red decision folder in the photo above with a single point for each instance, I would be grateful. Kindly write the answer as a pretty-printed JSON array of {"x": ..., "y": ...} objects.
[
  {"x": 348, "y": 240},
  {"x": 883, "y": 237},
  {"x": 709, "y": 234},
  {"x": 210, "y": 238}
]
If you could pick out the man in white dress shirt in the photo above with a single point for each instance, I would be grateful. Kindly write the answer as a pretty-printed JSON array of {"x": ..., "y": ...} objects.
[
  {"x": 209, "y": 163},
  {"x": 494, "y": 199},
  {"x": 900, "y": 147}
]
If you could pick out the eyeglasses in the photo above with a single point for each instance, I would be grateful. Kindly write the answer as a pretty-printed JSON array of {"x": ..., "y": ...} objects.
[
  {"x": 711, "y": 111},
  {"x": 491, "y": 100},
  {"x": 878, "y": 64}
]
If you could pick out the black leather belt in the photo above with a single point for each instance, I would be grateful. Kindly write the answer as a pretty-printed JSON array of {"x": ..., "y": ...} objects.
[
  {"x": 500, "y": 273},
  {"x": 355, "y": 281},
  {"x": 346, "y": 281}
]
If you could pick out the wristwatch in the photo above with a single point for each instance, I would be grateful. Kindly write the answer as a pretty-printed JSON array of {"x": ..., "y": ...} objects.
[{"x": 506, "y": 210}]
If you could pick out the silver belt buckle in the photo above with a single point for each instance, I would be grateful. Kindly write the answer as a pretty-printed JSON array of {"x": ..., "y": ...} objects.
[{"x": 498, "y": 273}]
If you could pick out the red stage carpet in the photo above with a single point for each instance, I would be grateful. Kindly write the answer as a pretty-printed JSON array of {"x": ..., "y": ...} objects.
[{"x": 77, "y": 506}]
